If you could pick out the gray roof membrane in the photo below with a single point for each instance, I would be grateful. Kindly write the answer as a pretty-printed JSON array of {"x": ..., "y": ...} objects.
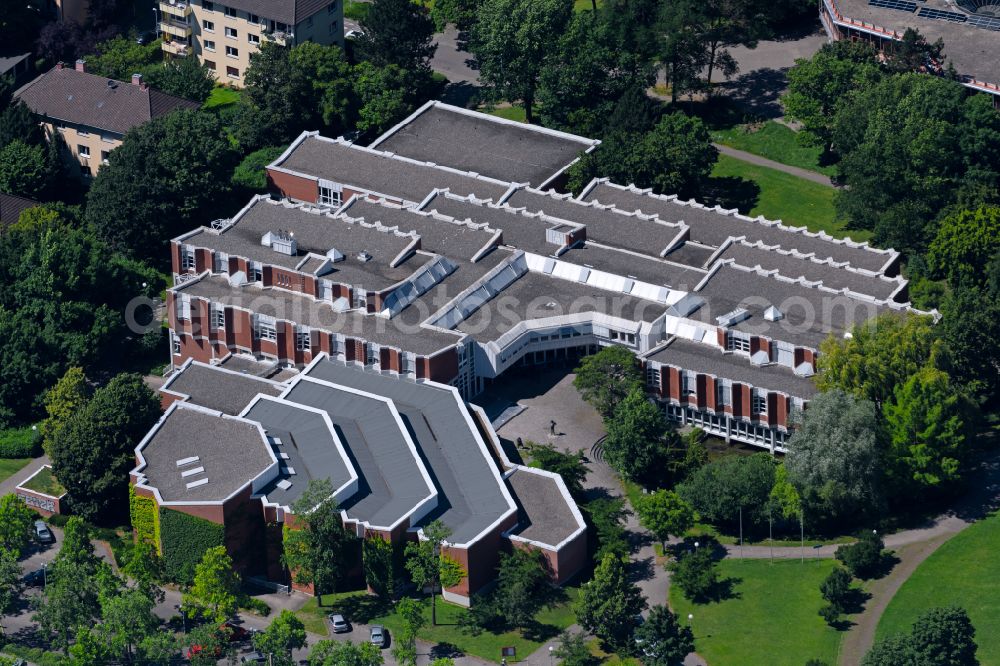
[
  {"x": 481, "y": 143},
  {"x": 699, "y": 357},
  {"x": 382, "y": 173},
  {"x": 389, "y": 485},
  {"x": 471, "y": 496},
  {"x": 711, "y": 227},
  {"x": 216, "y": 389},
  {"x": 604, "y": 225},
  {"x": 535, "y": 296},
  {"x": 452, "y": 240},
  {"x": 307, "y": 450},
  {"x": 316, "y": 233},
  {"x": 543, "y": 513},
  {"x": 231, "y": 452},
  {"x": 810, "y": 314},
  {"x": 639, "y": 267},
  {"x": 306, "y": 311}
]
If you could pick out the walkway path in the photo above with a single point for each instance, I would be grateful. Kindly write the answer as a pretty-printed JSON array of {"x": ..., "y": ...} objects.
[
  {"x": 777, "y": 166},
  {"x": 10, "y": 483}
]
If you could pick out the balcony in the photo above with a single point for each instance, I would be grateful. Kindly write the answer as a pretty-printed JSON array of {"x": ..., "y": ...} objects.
[
  {"x": 176, "y": 48},
  {"x": 277, "y": 36},
  {"x": 175, "y": 28},
  {"x": 177, "y": 9}
]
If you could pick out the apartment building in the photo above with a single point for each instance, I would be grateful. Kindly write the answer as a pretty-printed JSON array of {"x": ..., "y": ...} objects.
[
  {"x": 457, "y": 270},
  {"x": 91, "y": 113},
  {"x": 238, "y": 449},
  {"x": 224, "y": 35}
]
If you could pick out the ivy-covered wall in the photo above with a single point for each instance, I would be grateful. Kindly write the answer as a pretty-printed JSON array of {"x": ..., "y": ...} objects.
[
  {"x": 184, "y": 541},
  {"x": 145, "y": 518}
]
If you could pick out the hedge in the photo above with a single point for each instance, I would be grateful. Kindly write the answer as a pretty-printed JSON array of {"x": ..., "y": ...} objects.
[
  {"x": 35, "y": 655},
  {"x": 184, "y": 540},
  {"x": 145, "y": 518},
  {"x": 20, "y": 443}
]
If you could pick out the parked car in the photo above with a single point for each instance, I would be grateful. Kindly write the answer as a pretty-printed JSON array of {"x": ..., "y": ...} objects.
[
  {"x": 35, "y": 578},
  {"x": 352, "y": 34},
  {"x": 43, "y": 533},
  {"x": 253, "y": 658},
  {"x": 236, "y": 633},
  {"x": 338, "y": 624},
  {"x": 195, "y": 650},
  {"x": 145, "y": 38},
  {"x": 378, "y": 635}
]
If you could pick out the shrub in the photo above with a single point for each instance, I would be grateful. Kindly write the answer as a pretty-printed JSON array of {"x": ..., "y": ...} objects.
[
  {"x": 184, "y": 541},
  {"x": 250, "y": 173},
  {"x": 145, "y": 518},
  {"x": 863, "y": 558},
  {"x": 254, "y": 605},
  {"x": 20, "y": 443},
  {"x": 695, "y": 574}
]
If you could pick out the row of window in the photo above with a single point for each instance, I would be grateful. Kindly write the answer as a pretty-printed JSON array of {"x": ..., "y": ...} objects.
[
  {"x": 106, "y": 138},
  {"x": 330, "y": 197},
  {"x": 723, "y": 389},
  {"x": 84, "y": 152},
  {"x": 231, "y": 12}
]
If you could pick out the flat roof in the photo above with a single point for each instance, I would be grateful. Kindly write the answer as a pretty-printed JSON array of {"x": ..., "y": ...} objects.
[
  {"x": 704, "y": 358},
  {"x": 604, "y": 225},
  {"x": 436, "y": 235},
  {"x": 639, "y": 267},
  {"x": 226, "y": 451},
  {"x": 810, "y": 313},
  {"x": 536, "y": 296},
  {"x": 376, "y": 171},
  {"x": 315, "y": 231},
  {"x": 713, "y": 227},
  {"x": 307, "y": 450},
  {"x": 390, "y": 485},
  {"x": 306, "y": 311},
  {"x": 753, "y": 255},
  {"x": 224, "y": 390},
  {"x": 973, "y": 51},
  {"x": 543, "y": 513},
  {"x": 482, "y": 143},
  {"x": 472, "y": 497}
]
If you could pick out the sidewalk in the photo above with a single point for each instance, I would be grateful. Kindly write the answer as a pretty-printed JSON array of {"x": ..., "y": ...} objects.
[{"x": 777, "y": 166}]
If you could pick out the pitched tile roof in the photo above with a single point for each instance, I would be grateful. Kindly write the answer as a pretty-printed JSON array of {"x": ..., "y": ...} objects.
[
  {"x": 11, "y": 207},
  {"x": 95, "y": 101}
]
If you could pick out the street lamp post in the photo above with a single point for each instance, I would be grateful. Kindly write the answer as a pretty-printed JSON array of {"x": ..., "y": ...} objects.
[
  {"x": 45, "y": 578},
  {"x": 183, "y": 617},
  {"x": 550, "y": 655}
]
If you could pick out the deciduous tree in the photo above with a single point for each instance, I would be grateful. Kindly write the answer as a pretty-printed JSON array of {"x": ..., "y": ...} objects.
[
  {"x": 24, "y": 169},
  {"x": 429, "y": 566},
  {"x": 696, "y": 574},
  {"x": 380, "y": 576},
  {"x": 604, "y": 379},
  {"x": 636, "y": 445},
  {"x": 665, "y": 641},
  {"x": 15, "y": 524},
  {"x": 316, "y": 546},
  {"x": 965, "y": 242},
  {"x": 664, "y": 513},
  {"x": 412, "y": 614},
  {"x": 397, "y": 32},
  {"x": 724, "y": 488},
  {"x": 609, "y": 602},
  {"x": 215, "y": 590},
  {"x": 285, "y": 633},
  {"x": 63, "y": 400},
  {"x": 344, "y": 653}
]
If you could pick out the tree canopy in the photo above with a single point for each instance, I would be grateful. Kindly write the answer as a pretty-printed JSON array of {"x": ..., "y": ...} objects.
[
  {"x": 316, "y": 546},
  {"x": 665, "y": 641},
  {"x": 397, "y": 32},
  {"x": 609, "y": 602},
  {"x": 604, "y": 379},
  {"x": 637, "y": 442},
  {"x": 664, "y": 513},
  {"x": 720, "y": 489}
]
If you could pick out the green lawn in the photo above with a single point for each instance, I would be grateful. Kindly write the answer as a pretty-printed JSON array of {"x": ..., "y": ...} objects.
[
  {"x": 775, "y": 142},
  {"x": 10, "y": 466},
  {"x": 45, "y": 483},
  {"x": 361, "y": 607},
  {"x": 509, "y": 112},
  {"x": 585, "y": 5},
  {"x": 355, "y": 10},
  {"x": 795, "y": 201},
  {"x": 965, "y": 571},
  {"x": 221, "y": 97},
  {"x": 772, "y": 620}
]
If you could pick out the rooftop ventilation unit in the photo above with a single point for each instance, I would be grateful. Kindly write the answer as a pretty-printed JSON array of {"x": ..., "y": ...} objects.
[
  {"x": 282, "y": 242},
  {"x": 187, "y": 461},
  {"x": 195, "y": 484},
  {"x": 734, "y": 317},
  {"x": 773, "y": 314},
  {"x": 334, "y": 255},
  {"x": 364, "y": 256}
]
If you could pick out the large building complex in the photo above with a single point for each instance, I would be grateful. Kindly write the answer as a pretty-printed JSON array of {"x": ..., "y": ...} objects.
[
  {"x": 238, "y": 450},
  {"x": 223, "y": 35},
  {"x": 388, "y": 284},
  {"x": 91, "y": 113},
  {"x": 970, "y": 30}
]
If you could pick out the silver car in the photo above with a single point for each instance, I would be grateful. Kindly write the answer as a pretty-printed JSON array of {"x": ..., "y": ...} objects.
[
  {"x": 338, "y": 624},
  {"x": 378, "y": 635},
  {"x": 42, "y": 532}
]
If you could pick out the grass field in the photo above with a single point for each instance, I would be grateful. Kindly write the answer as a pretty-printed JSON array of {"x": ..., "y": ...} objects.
[
  {"x": 772, "y": 620},
  {"x": 775, "y": 142},
  {"x": 221, "y": 97},
  {"x": 45, "y": 483},
  {"x": 361, "y": 607},
  {"x": 585, "y": 5},
  {"x": 795, "y": 201},
  {"x": 965, "y": 571},
  {"x": 10, "y": 466},
  {"x": 509, "y": 112}
]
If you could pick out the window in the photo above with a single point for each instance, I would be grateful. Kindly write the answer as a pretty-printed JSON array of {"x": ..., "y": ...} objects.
[
  {"x": 256, "y": 272},
  {"x": 737, "y": 342},
  {"x": 688, "y": 384},
  {"x": 232, "y": 52},
  {"x": 371, "y": 354},
  {"x": 83, "y": 132},
  {"x": 231, "y": 12},
  {"x": 210, "y": 64},
  {"x": 759, "y": 402},
  {"x": 218, "y": 317},
  {"x": 232, "y": 72},
  {"x": 253, "y": 39},
  {"x": 359, "y": 299},
  {"x": 232, "y": 34},
  {"x": 406, "y": 364},
  {"x": 208, "y": 26},
  {"x": 338, "y": 345},
  {"x": 303, "y": 339},
  {"x": 107, "y": 138},
  {"x": 104, "y": 156},
  {"x": 309, "y": 22},
  {"x": 176, "y": 344},
  {"x": 85, "y": 170},
  {"x": 652, "y": 376},
  {"x": 265, "y": 328},
  {"x": 331, "y": 8},
  {"x": 209, "y": 6},
  {"x": 722, "y": 393},
  {"x": 209, "y": 45},
  {"x": 187, "y": 258},
  {"x": 330, "y": 197},
  {"x": 220, "y": 262},
  {"x": 253, "y": 18},
  {"x": 183, "y": 305},
  {"x": 83, "y": 151},
  {"x": 333, "y": 28}
]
